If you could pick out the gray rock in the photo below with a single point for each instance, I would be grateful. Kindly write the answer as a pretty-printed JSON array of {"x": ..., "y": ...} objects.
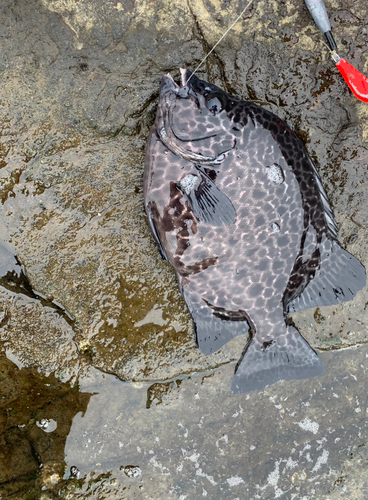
[{"x": 79, "y": 86}]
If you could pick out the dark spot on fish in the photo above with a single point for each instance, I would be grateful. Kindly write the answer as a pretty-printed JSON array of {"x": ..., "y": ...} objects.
[
  {"x": 258, "y": 194},
  {"x": 267, "y": 344},
  {"x": 175, "y": 216},
  {"x": 298, "y": 156},
  {"x": 338, "y": 292},
  {"x": 302, "y": 272},
  {"x": 273, "y": 128},
  {"x": 196, "y": 268},
  {"x": 225, "y": 314},
  {"x": 211, "y": 173}
]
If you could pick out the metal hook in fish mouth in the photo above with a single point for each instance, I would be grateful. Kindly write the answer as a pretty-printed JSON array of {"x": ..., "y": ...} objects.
[{"x": 183, "y": 92}]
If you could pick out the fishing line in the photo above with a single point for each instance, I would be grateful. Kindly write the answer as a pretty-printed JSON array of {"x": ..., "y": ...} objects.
[{"x": 223, "y": 36}]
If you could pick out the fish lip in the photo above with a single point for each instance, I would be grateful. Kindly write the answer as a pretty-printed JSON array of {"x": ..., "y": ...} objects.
[
  {"x": 168, "y": 75},
  {"x": 185, "y": 74},
  {"x": 168, "y": 84}
]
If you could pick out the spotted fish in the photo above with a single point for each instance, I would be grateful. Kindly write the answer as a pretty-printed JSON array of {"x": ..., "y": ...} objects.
[{"x": 237, "y": 207}]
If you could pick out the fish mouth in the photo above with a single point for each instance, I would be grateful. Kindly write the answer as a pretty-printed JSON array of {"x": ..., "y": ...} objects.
[
  {"x": 168, "y": 84},
  {"x": 169, "y": 91},
  {"x": 185, "y": 75}
]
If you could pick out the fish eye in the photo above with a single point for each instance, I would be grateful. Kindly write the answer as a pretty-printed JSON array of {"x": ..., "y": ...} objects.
[{"x": 214, "y": 104}]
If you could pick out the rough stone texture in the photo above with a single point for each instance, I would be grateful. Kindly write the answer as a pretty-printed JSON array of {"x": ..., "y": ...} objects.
[
  {"x": 31, "y": 458},
  {"x": 79, "y": 86},
  {"x": 303, "y": 440},
  {"x": 86, "y": 76}
]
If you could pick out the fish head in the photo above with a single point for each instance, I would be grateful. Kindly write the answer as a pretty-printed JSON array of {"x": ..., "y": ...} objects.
[{"x": 194, "y": 119}]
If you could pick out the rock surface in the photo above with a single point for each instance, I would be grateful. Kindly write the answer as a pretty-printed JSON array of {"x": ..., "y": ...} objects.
[
  {"x": 79, "y": 86},
  {"x": 303, "y": 440}
]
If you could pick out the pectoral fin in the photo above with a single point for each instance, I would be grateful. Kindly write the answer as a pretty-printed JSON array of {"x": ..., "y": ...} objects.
[{"x": 208, "y": 203}]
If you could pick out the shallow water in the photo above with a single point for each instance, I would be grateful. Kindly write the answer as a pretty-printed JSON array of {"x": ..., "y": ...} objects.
[
  {"x": 191, "y": 438},
  {"x": 79, "y": 87},
  {"x": 295, "y": 439}
]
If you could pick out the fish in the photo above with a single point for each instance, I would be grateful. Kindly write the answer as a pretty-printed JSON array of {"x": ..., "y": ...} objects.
[{"x": 237, "y": 207}]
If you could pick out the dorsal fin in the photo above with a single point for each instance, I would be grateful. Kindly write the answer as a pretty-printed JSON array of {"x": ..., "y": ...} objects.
[
  {"x": 331, "y": 224},
  {"x": 338, "y": 279}
]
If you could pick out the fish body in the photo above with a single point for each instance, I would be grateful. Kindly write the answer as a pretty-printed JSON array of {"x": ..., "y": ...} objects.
[{"x": 237, "y": 207}]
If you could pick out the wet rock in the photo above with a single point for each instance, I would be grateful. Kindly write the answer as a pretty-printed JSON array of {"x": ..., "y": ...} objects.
[
  {"x": 296, "y": 439},
  {"x": 79, "y": 90},
  {"x": 352, "y": 482},
  {"x": 79, "y": 84},
  {"x": 30, "y": 458},
  {"x": 37, "y": 335}
]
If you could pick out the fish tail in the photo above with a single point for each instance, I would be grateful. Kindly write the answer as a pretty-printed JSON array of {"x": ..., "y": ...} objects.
[{"x": 287, "y": 357}]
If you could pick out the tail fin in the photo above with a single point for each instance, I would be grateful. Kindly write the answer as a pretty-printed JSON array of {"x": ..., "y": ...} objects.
[{"x": 261, "y": 366}]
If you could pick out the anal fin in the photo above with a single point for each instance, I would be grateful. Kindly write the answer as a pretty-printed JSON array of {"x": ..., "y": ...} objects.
[{"x": 214, "y": 326}]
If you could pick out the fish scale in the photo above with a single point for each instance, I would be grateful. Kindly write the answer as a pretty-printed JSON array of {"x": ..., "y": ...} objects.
[{"x": 238, "y": 208}]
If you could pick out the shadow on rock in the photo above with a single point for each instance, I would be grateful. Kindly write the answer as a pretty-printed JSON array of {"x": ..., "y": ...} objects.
[{"x": 36, "y": 414}]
